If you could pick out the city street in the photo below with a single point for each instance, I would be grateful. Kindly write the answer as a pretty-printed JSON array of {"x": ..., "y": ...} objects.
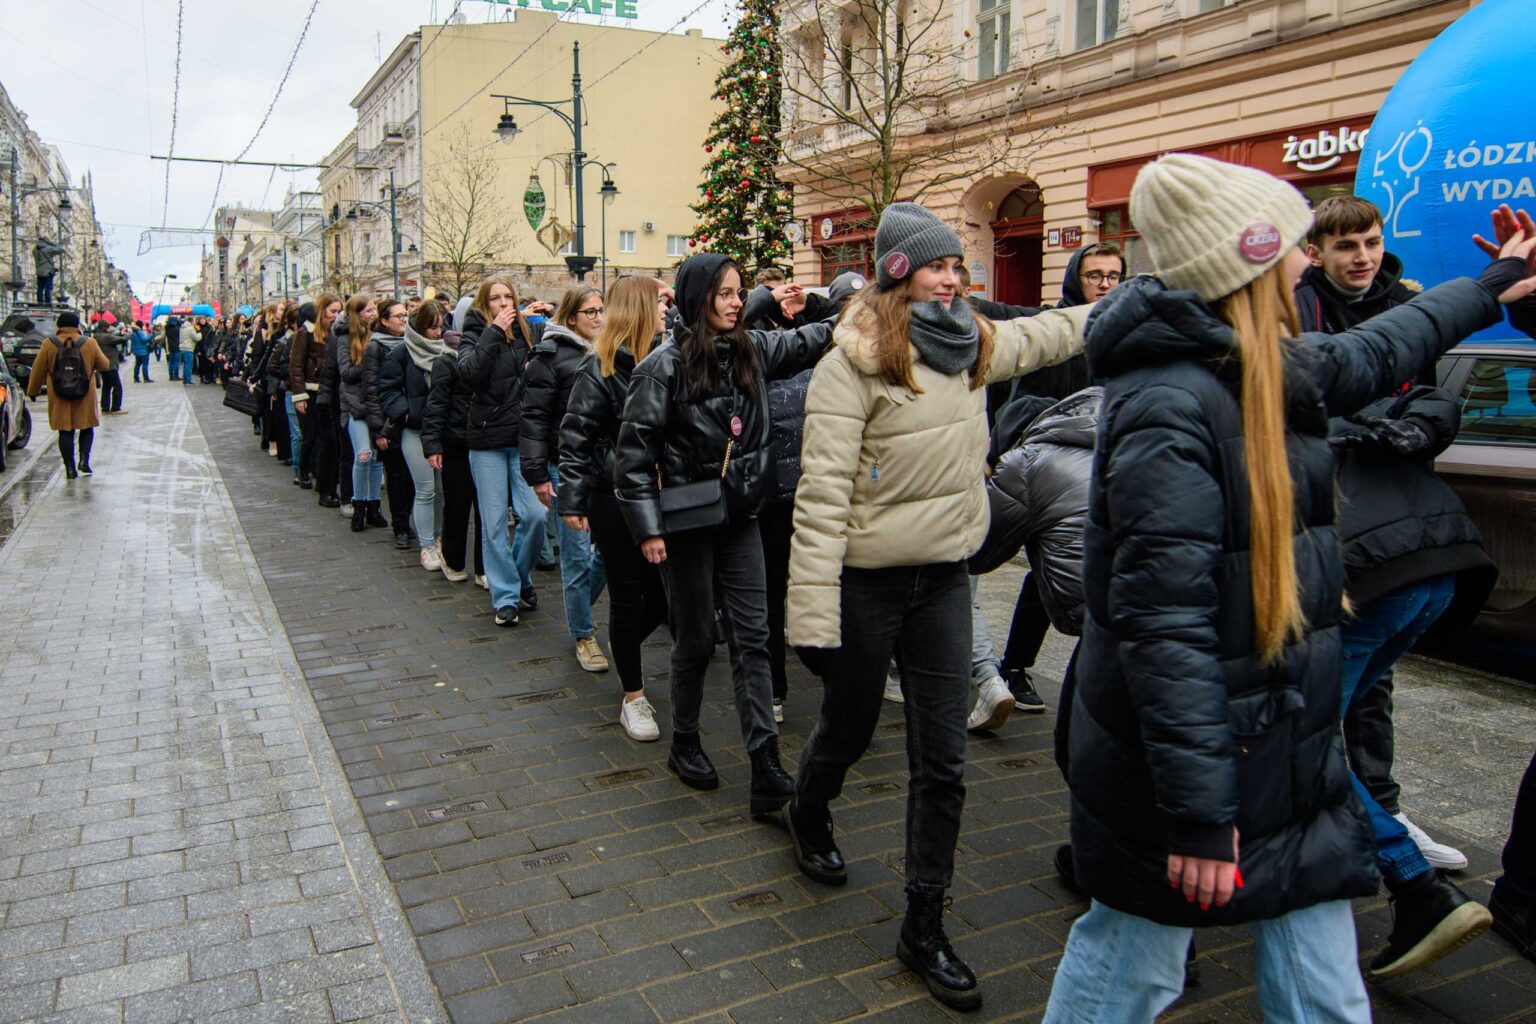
[{"x": 256, "y": 767}]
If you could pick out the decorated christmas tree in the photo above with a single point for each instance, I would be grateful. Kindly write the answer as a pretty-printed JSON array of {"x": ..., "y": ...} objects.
[{"x": 742, "y": 206}]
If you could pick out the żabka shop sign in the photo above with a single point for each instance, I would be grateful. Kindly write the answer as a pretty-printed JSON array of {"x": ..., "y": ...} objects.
[
  {"x": 618, "y": 8},
  {"x": 1325, "y": 150}
]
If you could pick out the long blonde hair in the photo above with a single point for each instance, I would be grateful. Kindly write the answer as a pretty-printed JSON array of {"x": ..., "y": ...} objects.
[
  {"x": 1257, "y": 314},
  {"x": 630, "y": 322},
  {"x": 887, "y": 315},
  {"x": 482, "y": 304}
]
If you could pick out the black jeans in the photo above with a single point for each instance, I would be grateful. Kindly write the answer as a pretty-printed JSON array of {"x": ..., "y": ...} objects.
[
  {"x": 1368, "y": 742},
  {"x": 67, "y": 446},
  {"x": 459, "y": 509},
  {"x": 922, "y": 613},
  {"x": 777, "y": 524},
  {"x": 399, "y": 486},
  {"x": 307, "y": 438},
  {"x": 726, "y": 561},
  {"x": 1027, "y": 631},
  {"x": 322, "y": 426},
  {"x": 637, "y": 602},
  {"x": 277, "y": 421},
  {"x": 111, "y": 390},
  {"x": 45, "y": 289},
  {"x": 1519, "y": 879}
]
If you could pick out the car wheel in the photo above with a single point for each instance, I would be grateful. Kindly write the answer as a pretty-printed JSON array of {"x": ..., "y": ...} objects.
[{"x": 23, "y": 432}]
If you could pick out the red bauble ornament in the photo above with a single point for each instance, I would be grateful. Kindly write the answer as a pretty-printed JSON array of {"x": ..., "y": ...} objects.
[
  {"x": 757, "y": 138},
  {"x": 692, "y": 243},
  {"x": 709, "y": 149}
]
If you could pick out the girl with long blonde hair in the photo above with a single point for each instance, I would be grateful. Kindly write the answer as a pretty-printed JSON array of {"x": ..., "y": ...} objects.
[
  {"x": 367, "y": 469},
  {"x": 635, "y": 316},
  {"x": 1205, "y": 720}
]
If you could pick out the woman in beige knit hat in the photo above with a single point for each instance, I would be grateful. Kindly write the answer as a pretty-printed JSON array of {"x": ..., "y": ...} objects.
[{"x": 1205, "y": 759}]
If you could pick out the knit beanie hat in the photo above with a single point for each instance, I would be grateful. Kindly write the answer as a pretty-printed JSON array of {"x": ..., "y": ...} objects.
[
  {"x": 908, "y": 237},
  {"x": 1213, "y": 227}
]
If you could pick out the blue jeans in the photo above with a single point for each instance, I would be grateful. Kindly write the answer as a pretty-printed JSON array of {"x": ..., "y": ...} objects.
[
  {"x": 1379, "y": 634},
  {"x": 427, "y": 512},
  {"x": 508, "y": 565},
  {"x": 141, "y": 369},
  {"x": 173, "y": 362},
  {"x": 581, "y": 571},
  {"x": 295, "y": 431},
  {"x": 367, "y": 468},
  {"x": 185, "y": 356},
  {"x": 1122, "y": 969}
]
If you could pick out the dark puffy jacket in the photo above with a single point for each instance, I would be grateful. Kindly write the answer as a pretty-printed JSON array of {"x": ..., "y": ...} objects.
[
  {"x": 1046, "y": 479},
  {"x": 1399, "y": 522},
  {"x": 349, "y": 381},
  {"x": 1178, "y": 731},
  {"x": 379, "y": 346},
  {"x": 402, "y": 389},
  {"x": 551, "y": 375},
  {"x": 1322, "y": 307},
  {"x": 494, "y": 370},
  {"x": 173, "y": 335},
  {"x": 590, "y": 431},
  {"x": 447, "y": 411},
  {"x": 330, "y": 371},
  {"x": 786, "y": 431},
  {"x": 279, "y": 350}
]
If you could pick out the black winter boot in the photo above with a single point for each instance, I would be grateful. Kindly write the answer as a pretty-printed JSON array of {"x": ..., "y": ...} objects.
[
  {"x": 359, "y": 516},
  {"x": 810, "y": 835},
  {"x": 1430, "y": 918},
  {"x": 374, "y": 517},
  {"x": 772, "y": 786},
  {"x": 925, "y": 949},
  {"x": 692, "y": 765}
]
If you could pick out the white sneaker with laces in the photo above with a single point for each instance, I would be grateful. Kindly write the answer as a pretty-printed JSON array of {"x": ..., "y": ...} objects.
[
  {"x": 454, "y": 575},
  {"x": 778, "y": 710},
  {"x": 993, "y": 706},
  {"x": 893, "y": 688},
  {"x": 482, "y": 582},
  {"x": 1439, "y": 855},
  {"x": 430, "y": 559},
  {"x": 639, "y": 720},
  {"x": 589, "y": 653}
]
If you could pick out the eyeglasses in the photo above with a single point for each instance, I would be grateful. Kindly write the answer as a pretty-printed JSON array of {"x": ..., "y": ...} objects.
[
  {"x": 398, "y": 316},
  {"x": 1099, "y": 276},
  {"x": 591, "y": 314}
]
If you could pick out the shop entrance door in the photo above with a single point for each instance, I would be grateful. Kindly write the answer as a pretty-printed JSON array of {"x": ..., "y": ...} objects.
[{"x": 1018, "y": 244}]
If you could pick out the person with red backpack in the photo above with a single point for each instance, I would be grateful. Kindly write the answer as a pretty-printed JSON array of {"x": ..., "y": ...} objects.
[{"x": 69, "y": 364}]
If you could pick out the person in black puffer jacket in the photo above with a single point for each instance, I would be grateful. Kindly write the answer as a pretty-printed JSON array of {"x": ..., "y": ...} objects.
[
  {"x": 442, "y": 442},
  {"x": 388, "y": 335},
  {"x": 566, "y": 342},
  {"x": 404, "y": 383},
  {"x": 697, "y": 413},
  {"x": 282, "y": 426},
  {"x": 589, "y": 432},
  {"x": 326, "y": 418},
  {"x": 367, "y": 469},
  {"x": 493, "y": 359},
  {"x": 1205, "y": 722}
]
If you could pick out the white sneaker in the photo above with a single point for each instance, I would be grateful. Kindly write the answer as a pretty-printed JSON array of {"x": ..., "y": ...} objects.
[
  {"x": 346, "y": 510},
  {"x": 893, "y": 688},
  {"x": 482, "y": 582},
  {"x": 589, "y": 653},
  {"x": 1439, "y": 855},
  {"x": 993, "y": 706},
  {"x": 454, "y": 575},
  {"x": 272, "y": 448},
  {"x": 778, "y": 710},
  {"x": 639, "y": 720},
  {"x": 430, "y": 559}
]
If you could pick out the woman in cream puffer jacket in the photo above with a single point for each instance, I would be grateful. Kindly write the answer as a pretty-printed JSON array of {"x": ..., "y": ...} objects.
[{"x": 891, "y": 503}]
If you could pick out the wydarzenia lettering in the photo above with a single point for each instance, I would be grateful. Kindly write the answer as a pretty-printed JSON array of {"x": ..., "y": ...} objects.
[
  {"x": 1324, "y": 150},
  {"x": 617, "y": 8}
]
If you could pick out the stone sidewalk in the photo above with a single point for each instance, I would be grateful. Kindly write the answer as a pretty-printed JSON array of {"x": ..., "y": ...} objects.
[
  {"x": 553, "y": 870},
  {"x": 177, "y": 839}
]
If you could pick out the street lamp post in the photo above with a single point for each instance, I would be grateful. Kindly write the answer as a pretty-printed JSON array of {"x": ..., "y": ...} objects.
[
  {"x": 608, "y": 192},
  {"x": 394, "y": 230},
  {"x": 506, "y": 127}
]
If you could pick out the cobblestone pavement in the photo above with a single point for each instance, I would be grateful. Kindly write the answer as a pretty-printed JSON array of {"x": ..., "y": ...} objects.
[
  {"x": 551, "y": 869},
  {"x": 177, "y": 840}
]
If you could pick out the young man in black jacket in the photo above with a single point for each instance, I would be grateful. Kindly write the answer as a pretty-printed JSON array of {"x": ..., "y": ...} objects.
[{"x": 1353, "y": 278}]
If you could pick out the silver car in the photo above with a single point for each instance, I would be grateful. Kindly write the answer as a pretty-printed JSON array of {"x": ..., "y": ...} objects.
[{"x": 15, "y": 417}]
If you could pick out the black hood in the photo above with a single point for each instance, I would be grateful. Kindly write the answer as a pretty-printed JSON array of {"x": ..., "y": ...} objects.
[
  {"x": 1072, "y": 286},
  {"x": 1325, "y": 307},
  {"x": 307, "y": 314},
  {"x": 692, "y": 287},
  {"x": 1143, "y": 323},
  {"x": 1072, "y": 422}
]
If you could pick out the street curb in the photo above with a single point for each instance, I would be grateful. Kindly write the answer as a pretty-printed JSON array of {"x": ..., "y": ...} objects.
[{"x": 415, "y": 994}]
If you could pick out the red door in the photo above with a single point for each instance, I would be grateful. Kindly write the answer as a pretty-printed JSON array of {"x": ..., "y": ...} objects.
[{"x": 1017, "y": 267}]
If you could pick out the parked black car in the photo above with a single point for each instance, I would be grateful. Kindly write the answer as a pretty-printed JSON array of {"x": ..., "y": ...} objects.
[{"x": 20, "y": 350}]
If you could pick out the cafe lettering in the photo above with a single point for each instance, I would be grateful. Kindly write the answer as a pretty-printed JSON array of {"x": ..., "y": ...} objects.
[{"x": 617, "y": 8}]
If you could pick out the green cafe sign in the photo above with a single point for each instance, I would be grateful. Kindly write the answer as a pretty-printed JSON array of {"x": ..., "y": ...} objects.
[{"x": 618, "y": 8}]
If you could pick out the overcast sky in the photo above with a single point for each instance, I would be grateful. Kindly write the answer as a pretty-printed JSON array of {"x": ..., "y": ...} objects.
[{"x": 96, "y": 77}]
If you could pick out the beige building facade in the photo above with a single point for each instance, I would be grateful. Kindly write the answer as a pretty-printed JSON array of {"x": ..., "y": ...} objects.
[
  {"x": 1289, "y": 86},
  {"x": 428, "y": 117}
]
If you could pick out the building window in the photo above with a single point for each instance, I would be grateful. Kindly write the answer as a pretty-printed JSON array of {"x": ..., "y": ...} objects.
[
  {"x": 367, "y": 248},
  {"x": 1116, "y": 227},
  {"x": 992, "y": 18},
  {"x": 1096, "y": 21},
  {"x": 677, "y": 245},
  {"x": 845, "y": 74},
  {"x": 1206, "y": 6},
  {"x": 858, "y": 257},
  {"x": 626, "y": 241}
]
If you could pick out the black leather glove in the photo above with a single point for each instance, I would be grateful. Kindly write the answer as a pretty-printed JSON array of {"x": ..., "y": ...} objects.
[
  {"x": 1400, "y": 437},
  {"x": 818, "y": 659}
]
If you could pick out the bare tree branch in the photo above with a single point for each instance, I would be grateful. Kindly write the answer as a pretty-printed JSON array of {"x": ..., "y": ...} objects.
[{"x": 464, "y": 228}]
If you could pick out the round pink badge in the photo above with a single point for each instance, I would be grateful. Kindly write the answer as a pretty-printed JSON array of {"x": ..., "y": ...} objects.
[
  {"x": 1259, "y": 243},
  {"x": 736, "y": 426},
  {"x": 897, "y": 265}
]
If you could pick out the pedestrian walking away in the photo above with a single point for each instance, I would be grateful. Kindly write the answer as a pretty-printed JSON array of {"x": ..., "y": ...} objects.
[
  {"x": 140, "y": 347},
  {"x": 67, "y": 364},
  {"x": 110, "y": 342},
  {"x": 1205, "y": 719}
]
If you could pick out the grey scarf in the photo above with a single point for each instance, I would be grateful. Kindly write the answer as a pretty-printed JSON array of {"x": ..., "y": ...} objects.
[
  {"x": 946, "y": 338},
  {"x": 423, "y": 350}
]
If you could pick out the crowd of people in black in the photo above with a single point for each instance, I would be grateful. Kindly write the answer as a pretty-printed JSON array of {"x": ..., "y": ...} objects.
[{"x": 1190, "y": 459}]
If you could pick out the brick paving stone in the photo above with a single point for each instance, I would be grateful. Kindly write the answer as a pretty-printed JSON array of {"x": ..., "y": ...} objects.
[{"x": 536, "y": 872}]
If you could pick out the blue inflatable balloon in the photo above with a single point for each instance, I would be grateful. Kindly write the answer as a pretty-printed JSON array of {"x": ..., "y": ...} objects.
[{"x": 1455, "y": 138}]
